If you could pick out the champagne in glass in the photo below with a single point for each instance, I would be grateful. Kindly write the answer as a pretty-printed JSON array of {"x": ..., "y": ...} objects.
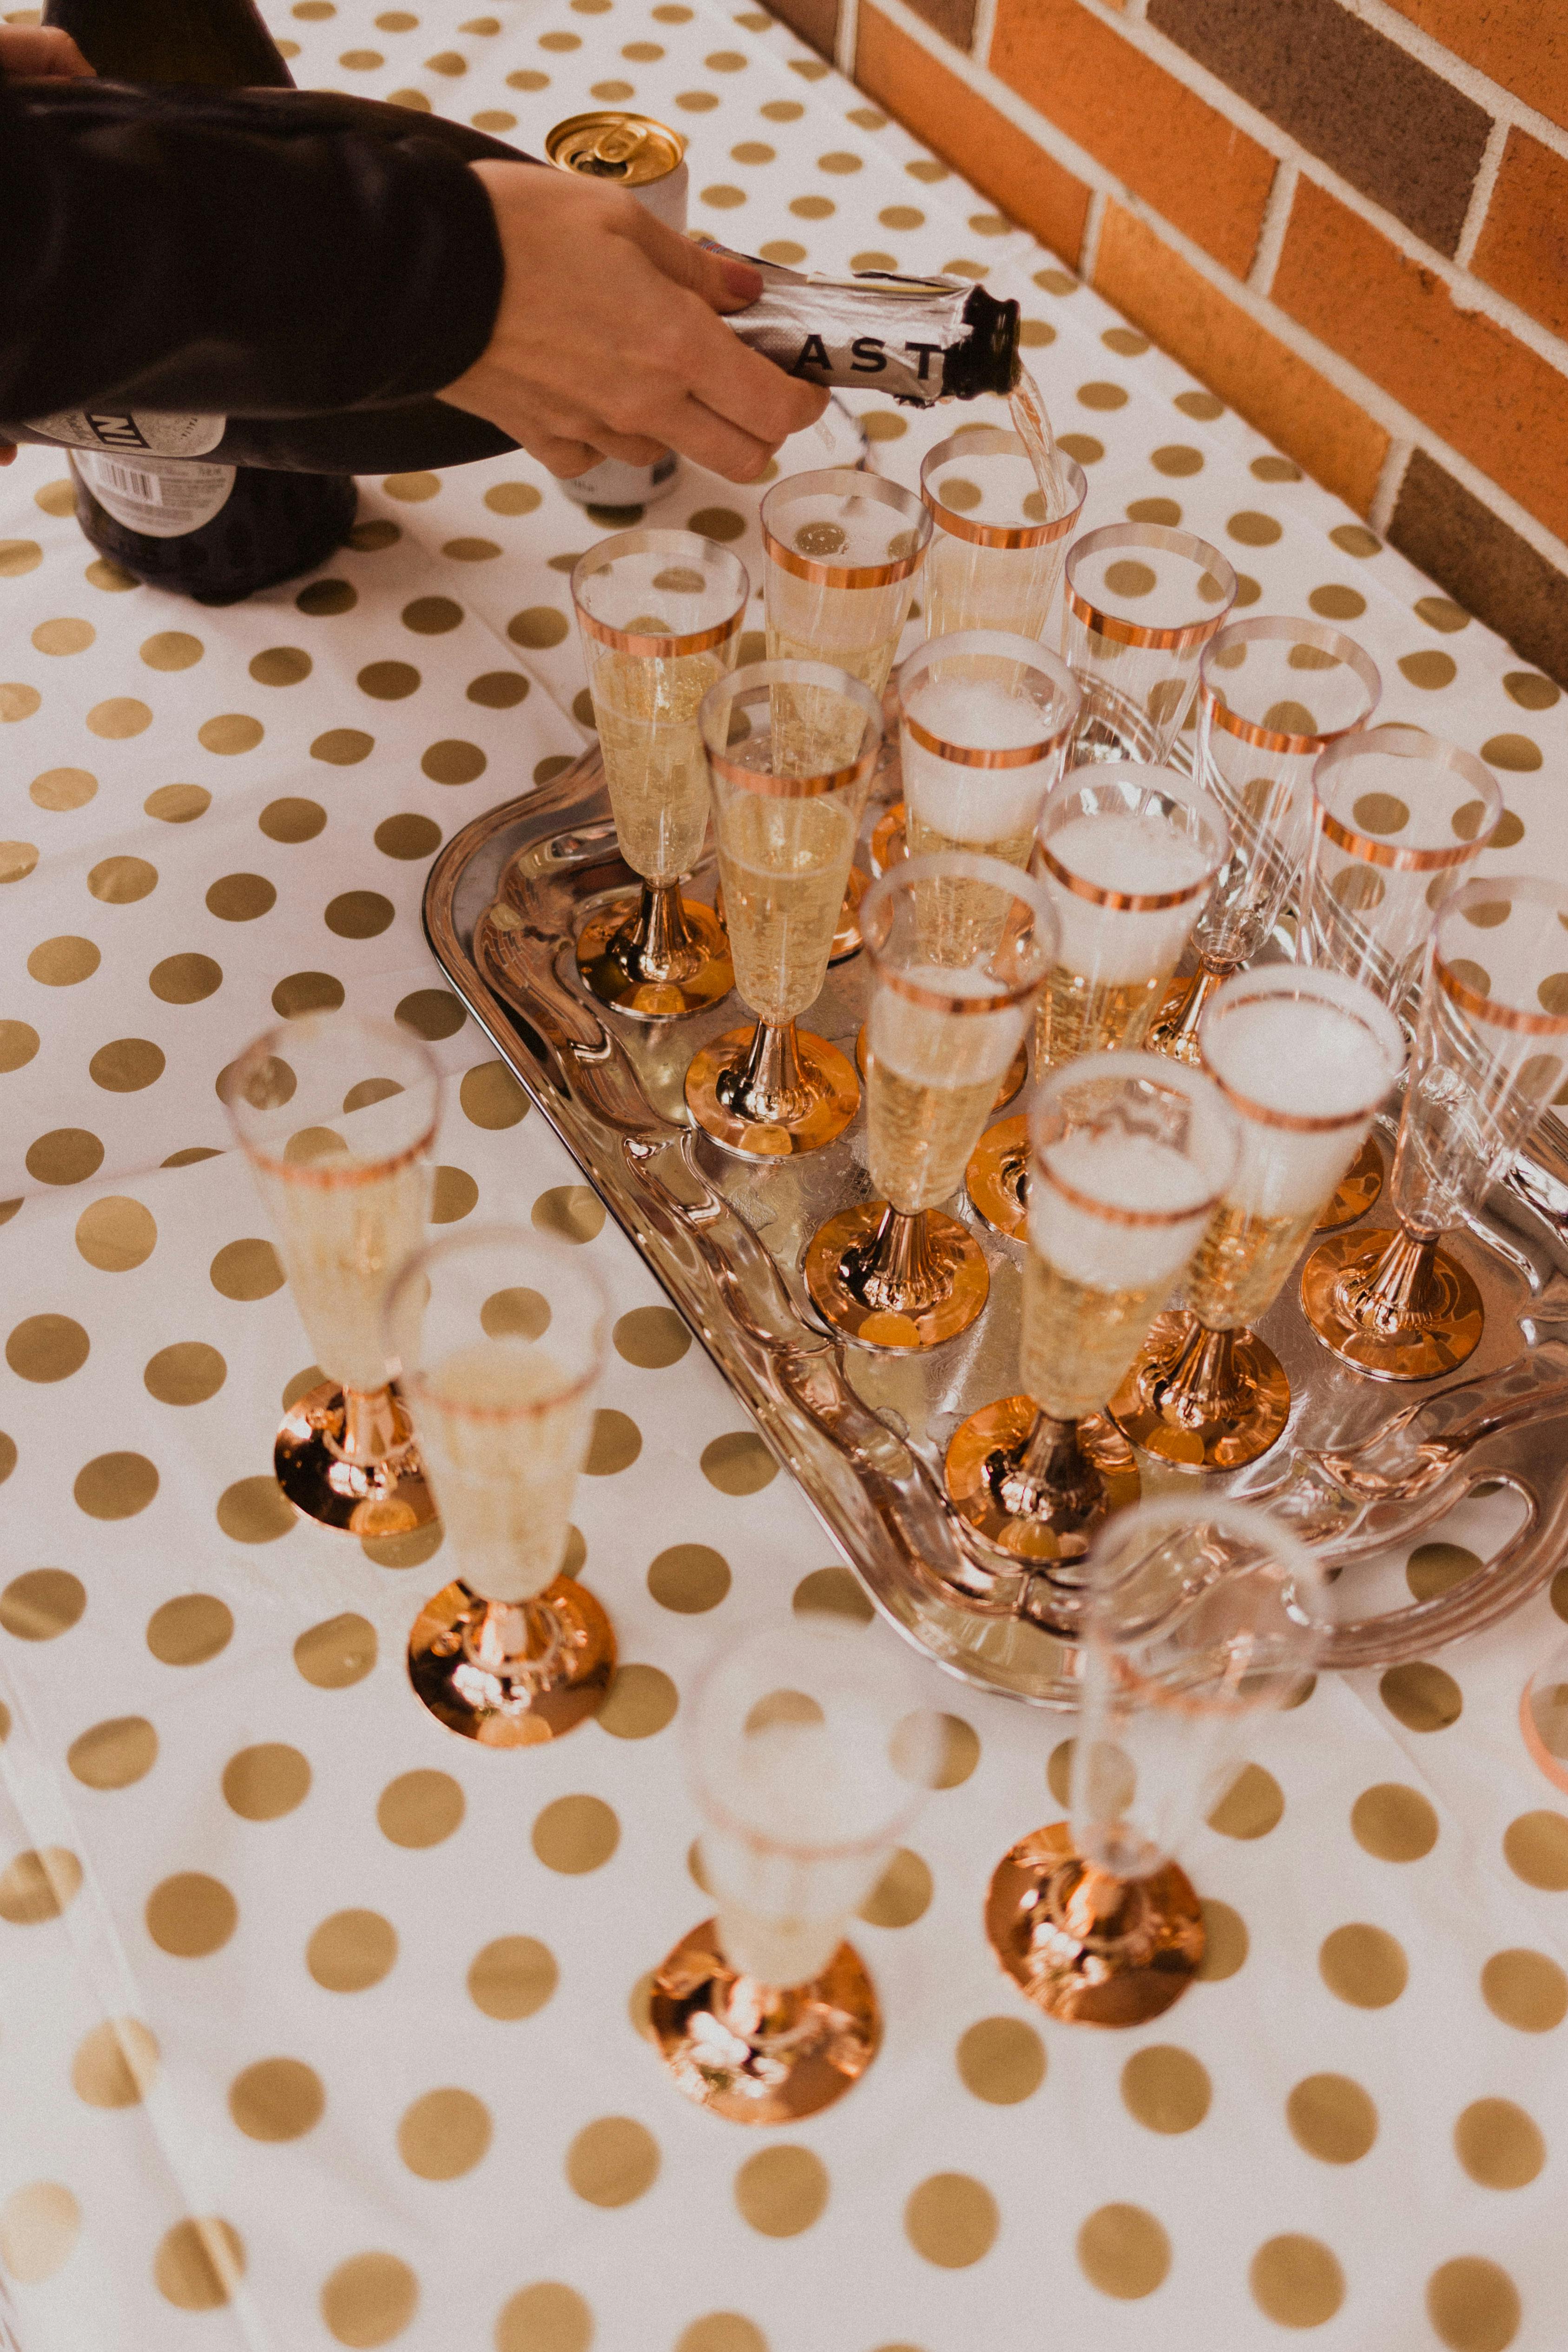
[
  {"x": 660, "y": 614},
  {"x": 1142, "y": 602},
  {"x": 501, "y": 1340},
  {"x": 999, "y": 538}
]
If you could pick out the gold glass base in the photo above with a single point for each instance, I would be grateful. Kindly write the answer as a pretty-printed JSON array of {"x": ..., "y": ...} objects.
[
  {"x": 512, "y": 1674},
  {"x": 1086, "y": 1948},
  {"x": 889, "y": 844},
  {"x": 346, "y": 1458},
  {"x": 657, "y": 958},
  {"x": 1396, "y": 1308},
  {"x": 1174, "y": 1028},
  {"x": 755, "y": 2053},
  {"x": 1359, "y": 1190},
  {"x": 997, "y": 1177},
  {"x": 771, "y": 1094},
  {"x": 889, "y": 1281},
  {"x": 1203, "y": 1400},
  {"x": 1017, "y": 1071},
  {"x": 1037, "y": 1488}
]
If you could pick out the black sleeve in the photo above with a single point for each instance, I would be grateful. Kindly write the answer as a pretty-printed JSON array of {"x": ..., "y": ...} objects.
[{"x": 259, "y": 253}]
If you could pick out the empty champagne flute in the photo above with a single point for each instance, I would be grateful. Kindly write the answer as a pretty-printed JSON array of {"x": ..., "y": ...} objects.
[
  {"x": 1260, "y": 738},
  {"x": 810, "y": 1749},
  {"x": 337, "y": 1117},
  {"x": 1544, "y": 1715},
  {"x": 1127, "y": 853},
  {"x": 1131, "y": 1155},
  {"x": 500, "y": 1339},
  {"x": 660, "y": 613},
  {"x": 1303, "y": 1058},
  {"x": 843, "y": 554},
  {"x": 959, "y": 946},
  {"x": 1200, "y": 1617},
  {"x": 1397, "y": 817},
  {"x": 1141, "y": 604},
  {"x": 1490, "y": 1054},
  {"x": 791, "y": 749}
]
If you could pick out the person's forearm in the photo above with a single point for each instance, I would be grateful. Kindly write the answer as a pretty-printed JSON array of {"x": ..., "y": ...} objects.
[{"x": 225, "y": 252}]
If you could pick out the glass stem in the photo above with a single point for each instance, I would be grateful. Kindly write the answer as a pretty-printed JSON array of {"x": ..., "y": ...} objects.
[
  {"x": 898, "y": 1269},
  {"x": 1402, "y": 1289},
  {"x": 659, "y": 945},
  {"x": 375, "y": 1427},
  {"x": 769, "y": 1088},
  {"x": 1202, "y": 1385},
  {"x": 1050, "y": 1479},
  {"x": 1176, "y": 1033},
  {"x": 521, "y": 1640}
]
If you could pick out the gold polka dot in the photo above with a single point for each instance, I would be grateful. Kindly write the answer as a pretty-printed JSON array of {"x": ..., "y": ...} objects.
[
  {"x": 46, "y": 1347},
  {"x": 940, "y": 1750},
  {"x": 18, "y": 1043},
  {"x": 67, "y": 1155},
  {"x": 511, "y": 498},
  {"x": 191, "y": 1915},
  {"x": 184, "y": 979},
  {"x": 575, "y": 1835},
  {"x": 56, "y": 498},
  {"x": 188, "y": 1630},
  {"x": 1123, "y": 2251},
  {"x": 903, "y": 1893},
  {"x": 1515, "y": 753},
  {"x": 1393, "y": 1823},
  {"x": 323, "y": 598},
  {"x": 292, "y": 820},
  {"x": 343, "y": 747},
  {"x": 21, "y": 555},
  {"x": 62, "y": 789},
  {"x": 1421, "y": 1696},
  {"x": 388, "y": 681},
  {"x": 7, "y": 1457},
  {"x": 571, "y": 1213},
  {"x": 38, "y": 2229},
  {"x": 951, "y": 2219},
  {"x": 409, "y": 1550},
  {"x": 1297, "y": 2282},
  {"x": 716, "y": 522},
  {"x": 786, "y": 253},
  {"x": 512, "y": 1978},
  {"x": 248, "y": 1269},
  {"x": 37, "y": 1884},
  {"x": 352, "y": 1950},
  {"x": 232, "y": 731},
  {"x": 1530, "y": 689},
  {"x": 537, "y": 625},
  {"x": 1525, "y": 1989},
  {"x": 444, "y": 2134},
  {"x": 688, "y": 1578},
  {"x": 1001, "y": 2060},
  {"x": 1332, "y": 2118},
  {"x": 433, "y": 1013},
  {"x": 121, "y": 716},
  {"x": 419, "y": 1809},
  {"x": 613, "y": 2162},
  {"x": 826, "y": 1591},
  {"x": 1429, "y": 669},
  {"x": 337, "y": 1652},
  {"x": 368, "y": 2300},
  {"x": 1381, "y": 813},
  {"x": 407, "y": 836},
  {"x": 115, "y": 1486},
  {"x": 42, "y": 1603},
  {"x": 1498, "y": 2145},
  {"x": 62, "y": 636},
  {"x": 63, "y": 962},
  {"x": 371, "y": 538},
  {"x": 454, "y": 761},
  {"x": 1473, "y": 2304},
  {"x": 1251, "y": 1807},
  {"x": 546, "y": 2317},
  {"x": 1166, "y": 2089},
  {"x": 114, "y": 1754},
  {"x": 781, "y": 2191},
  {"x": 306, "y": 991},
  {"x": 172, "y": 649},
  {"x": 1364, "y": 1964},
  {"x": 738, "y": 1463},
  {"x": 263, "y": 1783},
  {"x": 126, "y": 1064},
  {"x": 491, "y": 1097},
  {"x": 359, "y": 914},
  {"x": 1434, "y": 1569},
  {"x": 277, "y": 2099},
  {"x": 651, "y": 1337},
  {"x": 255, "y": 1510},
  {"x": 187, "y": 1372},
  {"x": 114, "y": 2064},
  {"x": 642, "y": 1700},
  {"x": 455, "y": 1195}
]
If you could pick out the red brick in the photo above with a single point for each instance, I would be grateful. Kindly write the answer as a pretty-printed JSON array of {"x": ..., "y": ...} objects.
[
  {"x": 1224, "y": 347},
  {"x": 1003, "y": 163},
  {"x": 815, "y": 21},
  {"x": 1208, "y": 177},
  {"x": 1486, "y": 393},
  {"x": 1523, "y": 247},
  {"x": 1522, "y": 44}
]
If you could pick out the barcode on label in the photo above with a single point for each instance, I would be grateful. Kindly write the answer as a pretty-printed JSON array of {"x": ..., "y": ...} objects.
[{"x": 131, "y": 482}]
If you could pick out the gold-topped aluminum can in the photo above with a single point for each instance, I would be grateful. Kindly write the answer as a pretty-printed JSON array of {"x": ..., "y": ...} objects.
[{"x": 631, "y": 150}]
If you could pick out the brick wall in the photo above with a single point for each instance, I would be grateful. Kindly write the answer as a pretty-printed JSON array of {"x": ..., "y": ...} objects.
[{"x": 1349, "y": 217}]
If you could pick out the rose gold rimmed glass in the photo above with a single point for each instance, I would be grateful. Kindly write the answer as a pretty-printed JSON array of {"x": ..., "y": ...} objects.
[
  {"x": 1397, "y": 817},
  {"x": 1131, "y": 1155},
  {"x": 1544, "y": 1715},
  {"x": 959, "y": 946},
  {"x": 1273, "y": 694},
  {"x": 660, "y": 613},
  {"x": 501, "y": 1338},
  {"x": 1127, "y": 853},
  {"x": 1490, "y": 1052},
  {"x": 1200, "y": 1617},
  {"x": 1141, "y": 604},
  {"x": 843, "y": 556},
  {"x": 810, "y": 1749},
  {"x": 337, "y": 1116},
  {"x": 1303, "y": 1058},
  {"x": 791, "y": 749}
]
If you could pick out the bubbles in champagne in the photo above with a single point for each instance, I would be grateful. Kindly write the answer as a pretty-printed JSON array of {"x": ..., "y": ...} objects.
[
  {"x": 931, "y": 1076},
  {"x": 502, "y": 1430},
  {"x": 646, "y": 709},
  {"x": 785, "y": 864}
]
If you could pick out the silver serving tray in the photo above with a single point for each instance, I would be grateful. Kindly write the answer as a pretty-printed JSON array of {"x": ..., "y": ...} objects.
[{"x": 1362, "y": 1468}]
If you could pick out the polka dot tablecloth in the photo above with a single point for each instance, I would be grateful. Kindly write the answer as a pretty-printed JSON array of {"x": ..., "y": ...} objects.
[{"x": 321, "y": 2026}]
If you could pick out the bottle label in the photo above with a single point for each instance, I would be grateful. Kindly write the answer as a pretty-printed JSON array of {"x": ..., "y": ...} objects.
[
  {"x": 159, "y": 496},
  {"x": 150, "y": 431}
]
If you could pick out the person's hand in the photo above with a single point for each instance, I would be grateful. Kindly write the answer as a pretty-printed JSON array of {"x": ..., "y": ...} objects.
[
  {"x": 606, "y": 343},
  {"x": 40, "y": 53}
]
